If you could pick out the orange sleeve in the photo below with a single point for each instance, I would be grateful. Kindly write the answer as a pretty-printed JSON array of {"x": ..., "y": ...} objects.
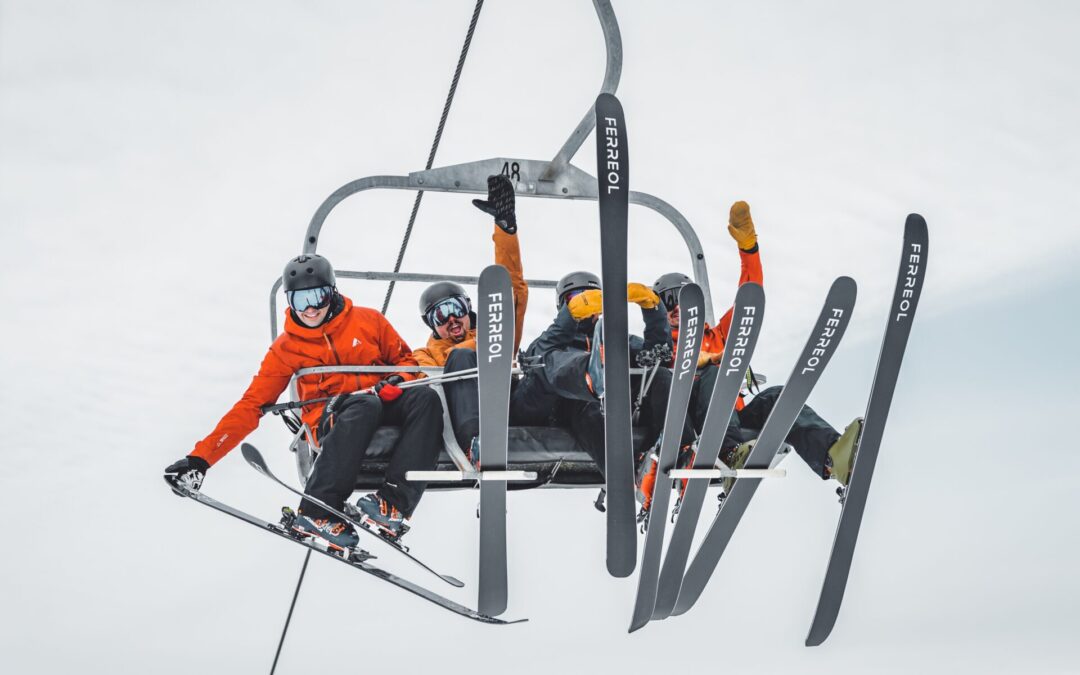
[
  {"x": 508, "y": 254},
  {"x": 393, "y": 350},
  {"x": 750, "y": 272},
  {"x": 423, "y": 357},
  {"x": 272, "y": 379}
]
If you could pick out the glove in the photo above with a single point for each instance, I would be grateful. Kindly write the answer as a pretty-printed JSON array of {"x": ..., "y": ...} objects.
[
  {"x": 587, "y": 304},
  {"x": 388, "y": 390},
  {"x": 707, "y": 358},
  {"x": 741, "y": 226},
  {"x": 641, "y": 295},
  {"x": 500, "y": 203},
  {"x": 189, "y": 472}
]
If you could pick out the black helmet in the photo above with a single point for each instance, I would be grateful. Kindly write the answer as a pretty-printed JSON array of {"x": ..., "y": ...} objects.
[
  {"x": 667, "y": 287},
  {"x": 437, "y": 292},
  {"x": 308, "y": 270},
  {"x": 575, "y": 281}
]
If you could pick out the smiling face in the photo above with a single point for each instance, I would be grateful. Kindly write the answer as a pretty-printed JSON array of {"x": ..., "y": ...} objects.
[
  {"x": 312, "y": 317},
  {"x": 456, "y": 329}
]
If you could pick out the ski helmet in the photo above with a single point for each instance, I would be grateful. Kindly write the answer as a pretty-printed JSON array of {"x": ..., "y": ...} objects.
[
  {"x": 437, "y": 292},
  {"x": 575, "y": 281},
  {"x": 667, "y": 287},
  {"x": 308, "y": 270}
]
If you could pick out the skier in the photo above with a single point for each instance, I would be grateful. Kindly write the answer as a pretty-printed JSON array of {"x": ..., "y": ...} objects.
[
  {"x": 446, "y": 309},
  {"x": 324, "y": 328},
  {"x": 563, "y": 379},
  {"x": 826, "y": 451}
]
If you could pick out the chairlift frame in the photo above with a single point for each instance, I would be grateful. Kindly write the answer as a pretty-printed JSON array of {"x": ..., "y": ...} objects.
[{"x": 554, "y": 179}]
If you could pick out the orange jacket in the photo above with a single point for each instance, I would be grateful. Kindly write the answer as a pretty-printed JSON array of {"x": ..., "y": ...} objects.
[
  {"x": 358, "y": 336},
  {"x": 507, "y": 254}
]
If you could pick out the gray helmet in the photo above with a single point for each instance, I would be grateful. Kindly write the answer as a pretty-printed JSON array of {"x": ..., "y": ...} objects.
[
  {"x": 573, "y": 282},
  {"x": 667, "y": 287},
  {"x": 440, "y": 291},
  {"x": 308, "y": 270}
]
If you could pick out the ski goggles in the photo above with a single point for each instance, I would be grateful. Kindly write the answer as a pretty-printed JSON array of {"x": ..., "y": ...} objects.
[
  {"x": 310, "y": 297},
  {"x": 570, "y": 295},
  {"x": 670, "y": 298},
  {"x": 451, "y": 308}
]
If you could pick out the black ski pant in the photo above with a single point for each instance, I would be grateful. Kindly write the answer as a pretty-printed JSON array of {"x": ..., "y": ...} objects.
[
  {"x": 811, "y": 435},
  {"x": 347, "y": 433},
  {"x": 575, "y": 407},
  {"x": 463, "y": 397}
]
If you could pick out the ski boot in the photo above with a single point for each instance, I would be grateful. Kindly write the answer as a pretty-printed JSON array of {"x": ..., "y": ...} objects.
[
  {"x": 339, "y": 536},
  {"x": 645, "y": 480},
  {"x": 594, "y": 374},
  {"x": 842, "y": 453},
  {"x": 735, "y": 458},
  {"x": 382, "y": 517}
]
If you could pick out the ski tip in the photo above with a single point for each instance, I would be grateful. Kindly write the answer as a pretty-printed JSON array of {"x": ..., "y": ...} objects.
[
  {"x": 637, "y": 624},
  {"x": 915, "y": 220},
  {"x": 605, "y": 100},
  {"x": 453, "y": 581}
]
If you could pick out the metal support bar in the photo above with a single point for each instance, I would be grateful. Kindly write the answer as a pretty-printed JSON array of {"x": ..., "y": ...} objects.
[
  {"x": 727, "y": 473},
  {"x": 506, "y": 476}
]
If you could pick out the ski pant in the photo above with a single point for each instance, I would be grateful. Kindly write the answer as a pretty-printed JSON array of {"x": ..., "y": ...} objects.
[
  {"x": 571, "y": 404},
  {"x": 463, "y": 397},
  {"x": 811, "y": 436},
  {"x": 347, "y": 433}
]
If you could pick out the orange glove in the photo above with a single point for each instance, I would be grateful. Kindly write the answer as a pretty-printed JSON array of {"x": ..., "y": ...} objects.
[
  {"x": 587, "y": 304},
  {"x": 741, "y": 226},
  {"x": 641, "y": 295}
]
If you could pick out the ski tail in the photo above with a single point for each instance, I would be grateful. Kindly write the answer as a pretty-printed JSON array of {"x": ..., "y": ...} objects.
[
  {"x": 613, "y": 194},
  {"x": 691, "y": 330},
  {"x": 494, "y": 347},
  {"x": 909, "y": 284},
  {"x": 747, "y": 315},
  {"x": 824, "y": 340}
]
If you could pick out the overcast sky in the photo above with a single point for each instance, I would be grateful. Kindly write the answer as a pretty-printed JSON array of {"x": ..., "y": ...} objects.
[{"x": 159, "y": 163}]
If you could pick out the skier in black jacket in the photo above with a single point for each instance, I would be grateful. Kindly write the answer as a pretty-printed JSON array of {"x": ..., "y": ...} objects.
[{"x": 560, "y": 388}]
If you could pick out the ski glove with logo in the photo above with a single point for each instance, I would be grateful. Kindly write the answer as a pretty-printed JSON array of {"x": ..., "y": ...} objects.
[
  {"x": 586, "y": 304},
  {"x": 189, "y": 472},
  {"x": 500, "y": 203},
  {"x": 388, "y": 390},
  {"x": 741, "y": 226}
]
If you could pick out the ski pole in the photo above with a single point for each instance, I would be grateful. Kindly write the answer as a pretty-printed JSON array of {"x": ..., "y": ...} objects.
[{"x": 466, "y": 374}]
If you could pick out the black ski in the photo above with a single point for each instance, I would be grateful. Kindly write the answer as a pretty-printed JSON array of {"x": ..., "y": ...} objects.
[
  {"x": 749, "y": 311},
  {"x": 613, "y": 193},
  {"x": 356, "y": 558},
  {"x": 691, "y": 328},
  {"x": 255, "y": 459},
  {"x": 909, "y": 285},
  {"x": 494, "y": 347},
  {"x": 828, "y": 331}
]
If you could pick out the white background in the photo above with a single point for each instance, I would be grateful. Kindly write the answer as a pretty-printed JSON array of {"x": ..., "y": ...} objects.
[{"x": 159, "y": 163}]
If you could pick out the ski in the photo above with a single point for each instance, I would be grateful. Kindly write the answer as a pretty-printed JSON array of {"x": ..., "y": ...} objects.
[
  {"x": 255, "y": 459},
  {"x": 691, "y": 327},
  {"x": 746, "y": 318},
  {"x": 613, "y": 194},
  {"x": 354, "y": 558},
  {"x": 909, "y": 283},
  {"x": 828, "y": 331},
  {"x": 494, "y": 347}
]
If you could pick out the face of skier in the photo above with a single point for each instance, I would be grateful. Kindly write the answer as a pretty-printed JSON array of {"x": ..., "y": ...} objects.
[
  {"x": 456, "y": 328},
  {"x": 313, "y": 317},
  {"x": 673, "y": 317},
  {"x": 311, "y": 305}
]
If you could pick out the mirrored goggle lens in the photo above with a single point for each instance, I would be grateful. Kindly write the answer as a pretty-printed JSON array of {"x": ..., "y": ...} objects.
[
  {"x": 570, "y": 295},
  {"x": 447, "y": 309},
  {"x": 310, "y": 297},
  {"x": 670, "y": 298}
]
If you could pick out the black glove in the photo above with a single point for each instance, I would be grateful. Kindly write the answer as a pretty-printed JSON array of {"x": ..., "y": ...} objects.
[
  {"x": 189, "y": 472},
  {"x": 500, "y": 203}
]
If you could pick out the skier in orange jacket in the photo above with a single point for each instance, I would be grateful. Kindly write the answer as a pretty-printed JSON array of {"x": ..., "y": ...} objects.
[
  {"x": 324, "y": 328},
  {"x": 446, "y": 309},
  {"x": 825, "y": 450}
]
